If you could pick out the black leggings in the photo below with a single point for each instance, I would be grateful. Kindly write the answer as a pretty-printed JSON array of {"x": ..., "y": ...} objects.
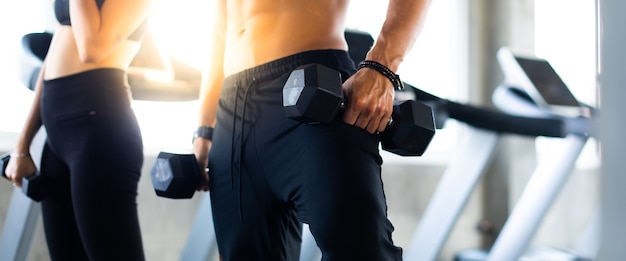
[
  {"x": 269, "y": 174},
  {"x": 93, "y": 157}
]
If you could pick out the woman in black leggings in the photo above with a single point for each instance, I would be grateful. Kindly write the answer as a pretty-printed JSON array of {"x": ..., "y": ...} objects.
[{"x": 94, "y": 152}]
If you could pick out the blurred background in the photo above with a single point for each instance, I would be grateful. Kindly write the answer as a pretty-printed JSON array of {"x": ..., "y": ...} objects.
[{"x": 454, "y": 58}]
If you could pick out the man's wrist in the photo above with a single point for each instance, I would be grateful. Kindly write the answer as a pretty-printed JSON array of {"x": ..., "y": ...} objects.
[
  {"x": 204, "y": 132},
  {"x": 384, "y": 70}
]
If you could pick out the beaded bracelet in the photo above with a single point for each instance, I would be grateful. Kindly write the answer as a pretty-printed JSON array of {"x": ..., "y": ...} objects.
[{"x": 384, "y": 70}]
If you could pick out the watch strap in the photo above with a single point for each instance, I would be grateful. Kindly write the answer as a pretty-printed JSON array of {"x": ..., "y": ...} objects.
[{"x": 205, "y": 132}]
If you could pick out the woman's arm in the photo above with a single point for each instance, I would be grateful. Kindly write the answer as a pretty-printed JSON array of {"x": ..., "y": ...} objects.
[
  {"x": 21, "y": 164},
  {"x": 33, "y": 120},
  {"x": 99, "y": 32}
]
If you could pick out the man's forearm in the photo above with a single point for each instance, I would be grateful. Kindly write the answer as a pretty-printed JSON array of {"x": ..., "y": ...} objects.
[
  {"x": 400, "y": 30},
  {"x": 214, "y": 72},
  {"x": 208, "y": 103},
  {"x": 211, "y": 86}
]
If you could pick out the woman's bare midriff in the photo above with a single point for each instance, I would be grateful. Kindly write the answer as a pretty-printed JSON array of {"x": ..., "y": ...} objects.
[
  {"x": 63, "y": 60},
  {"x": 269, "y": 32}
]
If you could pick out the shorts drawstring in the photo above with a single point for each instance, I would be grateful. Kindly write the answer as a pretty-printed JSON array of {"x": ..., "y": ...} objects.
[{"x": 237, "y": 157}]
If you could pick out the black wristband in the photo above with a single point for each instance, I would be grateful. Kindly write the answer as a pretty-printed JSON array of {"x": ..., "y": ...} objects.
[
  {"x": 205, "y": 132},
  {"x": 394, "y": 78}
]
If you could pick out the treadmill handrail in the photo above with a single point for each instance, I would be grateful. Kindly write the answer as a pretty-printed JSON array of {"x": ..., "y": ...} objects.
[{"x": 497, "y": 121}]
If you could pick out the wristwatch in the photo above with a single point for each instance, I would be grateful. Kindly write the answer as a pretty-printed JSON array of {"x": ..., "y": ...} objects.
[{"x": 205, "y": 132}]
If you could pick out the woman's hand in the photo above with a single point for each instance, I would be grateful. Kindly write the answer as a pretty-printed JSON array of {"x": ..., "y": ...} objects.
[
  {"x": 20, "y": 167},
  {"x": 369, "y": 100}
]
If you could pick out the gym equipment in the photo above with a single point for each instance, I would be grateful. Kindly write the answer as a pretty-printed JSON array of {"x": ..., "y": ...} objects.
[
  {"x": 35, "y": 186},
  {"x": 463, "y": 174},
  {"x": 175, "y": 175},
  {"x": 34, "y": 50},
  {"x": 201, "y": 244},
  {"x": 411, "y": 130},
  {"x": 536, "y": 77},
  {"x": 359, "y": 43},
  {"x": 313, "y": 94}
]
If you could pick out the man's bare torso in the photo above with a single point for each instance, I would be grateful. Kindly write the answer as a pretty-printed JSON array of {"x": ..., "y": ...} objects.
[{"x": 259, "y": 31}]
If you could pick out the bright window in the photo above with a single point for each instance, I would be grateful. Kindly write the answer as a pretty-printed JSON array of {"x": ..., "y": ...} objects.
[
  {"x": 565, "y": 35},
  {"x": 569, "y": 43},
  {"x": 17, "y": 18}
]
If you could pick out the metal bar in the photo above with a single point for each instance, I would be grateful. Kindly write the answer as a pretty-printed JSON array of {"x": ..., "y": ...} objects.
[
  {"x": 535, "y": 201},
  {"x": 309, "y": 251},
  {"x": 23, "y": 214},
  {"x": 201, "y": 244},
  {"x": 451, "y": 195}
]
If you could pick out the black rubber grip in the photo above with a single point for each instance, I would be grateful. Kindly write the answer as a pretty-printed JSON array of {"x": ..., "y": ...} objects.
[
  {"x": 493, "y": 120},
  {"x": 505, "y": 123}
]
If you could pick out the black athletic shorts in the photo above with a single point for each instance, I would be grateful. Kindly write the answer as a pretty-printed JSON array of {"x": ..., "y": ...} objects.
[{"x": 269, "y": 173}]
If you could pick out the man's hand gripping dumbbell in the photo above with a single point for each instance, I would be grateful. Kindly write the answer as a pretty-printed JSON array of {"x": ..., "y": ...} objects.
[{"x": 313, "y": 94}]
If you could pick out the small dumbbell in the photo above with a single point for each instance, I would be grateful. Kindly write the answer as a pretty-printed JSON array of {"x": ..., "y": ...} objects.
[
  {"x": 313, "y": 94},
  {"x": 34, "y": 186},
  {"x": 175, "y": 175}
]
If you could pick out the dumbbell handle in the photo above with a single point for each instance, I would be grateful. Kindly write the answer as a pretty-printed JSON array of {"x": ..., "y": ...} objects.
[
  {"x": 35, "y": 192},
  {"x": 5, "y": 162}
]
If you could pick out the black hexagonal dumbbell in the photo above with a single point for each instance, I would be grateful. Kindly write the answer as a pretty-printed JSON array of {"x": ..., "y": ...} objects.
[
  {"x": 411, "y": 129},
  {"x": 35, "y": 186},
  {"x": 175, "y": 175},
  {"x": 313, "y": 94}
]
